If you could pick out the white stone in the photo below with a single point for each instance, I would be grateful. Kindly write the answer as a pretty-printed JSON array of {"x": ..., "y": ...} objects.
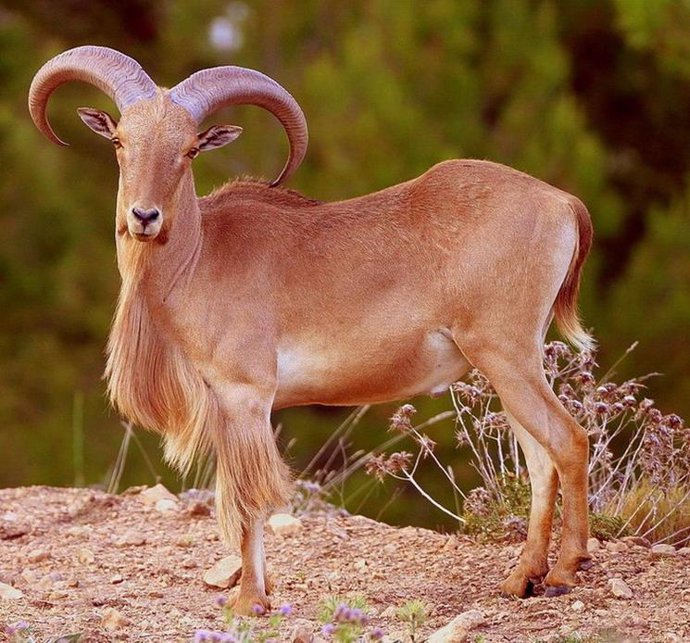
[
  {"x": 38, "y": 555},
  {"x": 577, "y": 606},
  {"x": 85, "y": 556},
  {"x": 619, "y": 588},
  {"x": 152, "y": 495},
  {"x": 9, "y": 593},
  {"x": 616, "y": 546},
  {"x": 167, "y": 505},
  {"x": 457, "y": 630},
  {"x": 284, "y": 524},
  {"x": 225, "y": 573},
  {"x": 593, "y": 545},
  {"x": 664, "y": 550}
]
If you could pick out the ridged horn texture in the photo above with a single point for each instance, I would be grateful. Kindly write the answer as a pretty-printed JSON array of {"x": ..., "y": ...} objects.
[
  {"x": 209, "y": 90},
  {"x": 114, "y": 73}
]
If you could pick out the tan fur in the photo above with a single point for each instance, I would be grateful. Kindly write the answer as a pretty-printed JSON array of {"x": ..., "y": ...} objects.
[
  {"x": 256, "y": 298},
  {"x": 565, "y": 307}
]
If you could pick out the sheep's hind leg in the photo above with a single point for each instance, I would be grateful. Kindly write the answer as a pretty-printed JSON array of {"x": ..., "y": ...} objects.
[
  {"x": 533, "y": 564},
  {"x": 518, "y": 377}
]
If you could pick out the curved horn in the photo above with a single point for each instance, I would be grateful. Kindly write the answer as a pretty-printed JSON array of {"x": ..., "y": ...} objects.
[
  {"x": 209, "y": 90},
  {"x": 114, "y": 73}
]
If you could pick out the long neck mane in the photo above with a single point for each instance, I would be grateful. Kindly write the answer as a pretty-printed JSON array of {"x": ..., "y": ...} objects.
[{"x": 150, "y": 381}]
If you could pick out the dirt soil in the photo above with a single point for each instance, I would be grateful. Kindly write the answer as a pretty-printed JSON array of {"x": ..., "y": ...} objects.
[{"x": 115, "y": 568}]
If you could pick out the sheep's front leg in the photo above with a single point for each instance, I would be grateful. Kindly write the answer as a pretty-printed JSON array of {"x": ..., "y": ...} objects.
[
  {"x": 252, "y": 597},
  {"x": 251, "y": 481}
]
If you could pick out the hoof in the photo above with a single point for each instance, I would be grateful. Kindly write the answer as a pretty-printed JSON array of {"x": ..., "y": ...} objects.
[
  {"x": 520, "y": 585},
  {"x": 556, "y": 590},
  {"x": 248, "y": 604}
]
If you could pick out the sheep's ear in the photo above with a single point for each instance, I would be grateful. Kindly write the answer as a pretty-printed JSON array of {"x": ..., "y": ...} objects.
[
  {"x": 216, "y": 136},
  {"x": 96, "y": 120}
]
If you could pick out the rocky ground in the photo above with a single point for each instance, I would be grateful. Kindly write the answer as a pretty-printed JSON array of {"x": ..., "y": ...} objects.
[{"x": 132, "y": 568}]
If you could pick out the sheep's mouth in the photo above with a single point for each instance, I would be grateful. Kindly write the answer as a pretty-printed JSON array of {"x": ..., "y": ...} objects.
[{"x": 143, "y": 235}]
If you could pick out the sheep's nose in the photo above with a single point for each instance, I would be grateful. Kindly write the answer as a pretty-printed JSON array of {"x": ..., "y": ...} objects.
[{"x": 146, "y": 216}]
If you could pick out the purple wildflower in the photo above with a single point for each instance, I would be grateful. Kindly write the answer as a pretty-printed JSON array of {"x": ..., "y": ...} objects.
[{"x": 285, "y": 610}]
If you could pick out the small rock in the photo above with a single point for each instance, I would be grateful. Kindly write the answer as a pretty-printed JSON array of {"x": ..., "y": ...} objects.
[
  {"x": 361, "y": 564},
  {"x": 113, "y": 620},
  {"x": 338, "y": 532},
  {"x": 45, "y": 583},
  {"x": 198, "y": 509},
  {"x": 390, "y": 612},
  {"x": 577, "y": 606},
  {"x": 152, "y": 495},
  {"x": 187, "y": 540},
  {"x": 77, "y": 531},
  {"x": 684, "y": 551},
  {"x": 80, "y": 506},
  {"x": 29, "y": 576},
  {"x": 135, "y": 490},
  {"x": 451, "y": 544},
  {"x": 189, "y": 563},
  {"x": 616, "y": 546},
  {"x": 458, "y": 629},
  {"x": 9, "y": 593},
  {"x": 85, "y": 556},
  {"x": 619, "y": 588},
  {"x": 166, "y": 505},
  {"x": 11, "y": 530},
  {"x": 117, "y": 579},
  {"x": 302, "y": 632},
  {"x": 284, "y": 524},
  {"x": 390, "y": 548},
  {"x": 130, "y": 539},
  {"x": 640, "y": 541},
  {"x": 593, "y": 545},
  {"x": 38, "y": 555},
  {"x": 225, "y": 573},
  {"x": 664, "y": 550}
]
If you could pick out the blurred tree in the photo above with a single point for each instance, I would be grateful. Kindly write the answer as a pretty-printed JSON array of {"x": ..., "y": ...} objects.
[{"x": 592, "y": 96}]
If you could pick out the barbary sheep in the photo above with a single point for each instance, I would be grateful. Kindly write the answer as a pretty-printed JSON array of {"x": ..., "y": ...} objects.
[{"x": 256, "y": 298}]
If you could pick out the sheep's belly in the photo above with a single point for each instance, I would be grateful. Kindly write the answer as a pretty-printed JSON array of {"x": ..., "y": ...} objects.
[{"x": 348, "y": 372}]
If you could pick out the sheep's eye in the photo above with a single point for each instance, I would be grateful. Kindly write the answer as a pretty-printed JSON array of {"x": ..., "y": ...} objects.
[
  {"x": 193, "y": 153},
  {"x": 116, "y": 142}
]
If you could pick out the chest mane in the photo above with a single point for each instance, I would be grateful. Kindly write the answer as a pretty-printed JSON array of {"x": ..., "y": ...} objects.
[{"x": 151, "y": 382}]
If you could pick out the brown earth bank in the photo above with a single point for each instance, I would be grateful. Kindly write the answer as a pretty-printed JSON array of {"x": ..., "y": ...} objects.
[{"x": 131, "y": 568}]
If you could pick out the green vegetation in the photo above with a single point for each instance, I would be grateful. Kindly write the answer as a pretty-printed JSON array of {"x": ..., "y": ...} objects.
[{"x": 592, "y": 96}]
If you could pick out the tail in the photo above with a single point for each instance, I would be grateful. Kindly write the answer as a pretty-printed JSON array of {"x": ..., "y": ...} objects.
[{"x": 565, "y": 307}]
